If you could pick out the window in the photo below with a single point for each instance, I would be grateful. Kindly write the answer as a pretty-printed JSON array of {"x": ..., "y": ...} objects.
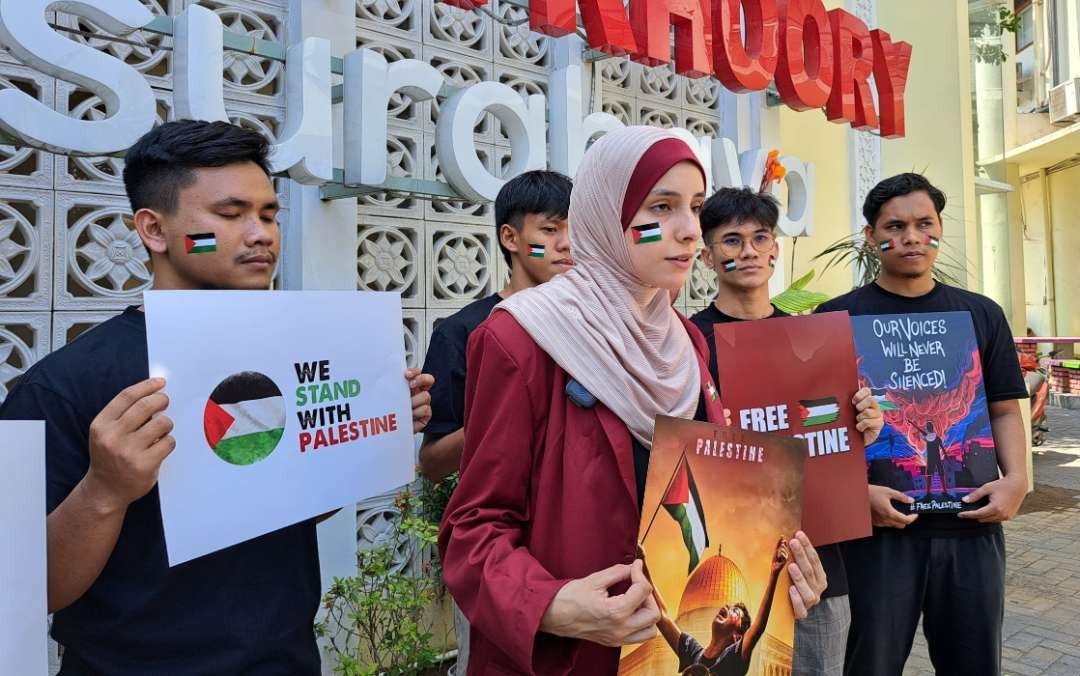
[{"x": 1026, "y": 35}]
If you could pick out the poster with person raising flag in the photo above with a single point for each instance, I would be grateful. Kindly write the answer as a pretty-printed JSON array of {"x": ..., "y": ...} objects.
[
  {"x": 796, "y": 376},
  {"x": 720, "y": 504},
  {"x": 278, "y": 415}
]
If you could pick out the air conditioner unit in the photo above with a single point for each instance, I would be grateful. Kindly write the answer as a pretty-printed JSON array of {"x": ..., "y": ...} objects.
[{"x": 1065, "y": 102}]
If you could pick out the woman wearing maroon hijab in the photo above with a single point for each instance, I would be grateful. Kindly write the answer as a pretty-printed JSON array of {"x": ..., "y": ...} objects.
[{"x": 564, "y": 383}]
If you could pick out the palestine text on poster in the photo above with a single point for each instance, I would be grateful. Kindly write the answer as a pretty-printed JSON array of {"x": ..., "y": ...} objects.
[
  {"x": 286, "y": 404},
  {"x": 796, "y": 376},
  {"x": 23, "y": 614},
  {"x": 925, "y": 371},
  {"x": 720, "y": 504}
]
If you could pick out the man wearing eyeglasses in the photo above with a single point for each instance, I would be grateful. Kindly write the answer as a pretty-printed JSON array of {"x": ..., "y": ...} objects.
[{"x": 738, "y": 229}]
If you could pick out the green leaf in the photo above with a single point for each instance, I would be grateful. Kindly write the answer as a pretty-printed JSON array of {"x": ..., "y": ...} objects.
[{"x": 797, "y": 301}]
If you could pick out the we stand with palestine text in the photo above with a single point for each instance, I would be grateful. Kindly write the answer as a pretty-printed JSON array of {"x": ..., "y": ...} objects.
[{"x": 327, "y": 419}]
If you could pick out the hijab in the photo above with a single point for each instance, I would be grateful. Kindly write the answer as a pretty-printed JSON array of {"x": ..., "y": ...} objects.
[{"x": 598, "y": 321}]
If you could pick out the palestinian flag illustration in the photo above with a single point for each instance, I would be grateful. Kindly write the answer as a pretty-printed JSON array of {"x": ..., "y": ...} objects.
[
  {"x": 536, "y": 251},
  {"x": 882, "y": 396},
  {"x": 819, "y": 411},
  {"x": 244, "y": 418},
  {"x": 643, "y": 234},
  {"x": 772, "y": 262},
  {"x": 683, "y": 503},
  {"x": 932, "y": 241},
  {"x": 730, "y": 265},
  {"x": 204, "y": 243},
  {"x": 887, "y": 245},
  {"x": 711, "y": 389}
]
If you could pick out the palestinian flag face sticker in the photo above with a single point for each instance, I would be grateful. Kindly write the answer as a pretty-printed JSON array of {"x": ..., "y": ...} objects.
[
  {"x": 887, "y": 245},
  {"x": 204, "y": 243},
  {"x": 819, "y": 411},
  {"x": 643, "y": 234},
  {"x": 244, "y": 418},
  {"x": 729, "y": 265},
  {"x": 536, "y": 251},
  {"x": 772, "y": 262},
  {"x": 932, "y": 242}
]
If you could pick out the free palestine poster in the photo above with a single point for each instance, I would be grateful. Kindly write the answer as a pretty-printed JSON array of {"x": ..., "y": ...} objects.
[
  {"x": 23, "y": 613},
  {"x": 286, "y": 405},
  {"x": 926, "y": 372},
  {"x": 719, "y": 505},
  {"x": 796, "y": 376}
]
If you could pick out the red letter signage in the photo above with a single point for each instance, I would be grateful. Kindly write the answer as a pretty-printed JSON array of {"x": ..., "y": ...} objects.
[
  {"x": 606, "y": 25},
  {"x": 805, "y": 71},
  {"x": 652, "y": 21},
  {"x": 891, "y": 62},
  {"x": 751, "y": 67},
  {"x": 818, "y": 59},
  {"x": 853, "y": 62}
]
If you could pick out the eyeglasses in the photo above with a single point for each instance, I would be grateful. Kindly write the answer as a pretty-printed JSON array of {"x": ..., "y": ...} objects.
[{"x": 731, "y": 245}]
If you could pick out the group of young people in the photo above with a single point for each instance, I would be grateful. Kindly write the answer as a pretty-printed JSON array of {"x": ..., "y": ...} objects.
[{"x": 543, "y": 397}]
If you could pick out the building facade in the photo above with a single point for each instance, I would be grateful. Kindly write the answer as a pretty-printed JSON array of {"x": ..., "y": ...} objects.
[{"x": 69, "y": 258}]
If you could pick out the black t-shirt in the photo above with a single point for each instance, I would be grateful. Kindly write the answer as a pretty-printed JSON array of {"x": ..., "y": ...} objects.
[
  {"x": 1002, "y": 378},
  {"x": 830, "y": 557},
  {"x": 446, "y": 361},
  {"x": 247, "y": 609}
]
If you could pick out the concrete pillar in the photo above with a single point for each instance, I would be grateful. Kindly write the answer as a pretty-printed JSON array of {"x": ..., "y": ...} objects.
[{"x": 319, "y": 244}]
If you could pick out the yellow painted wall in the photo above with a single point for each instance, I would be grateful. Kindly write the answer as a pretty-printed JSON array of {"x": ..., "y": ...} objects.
[
  {"x": 809, "y": 136},
  {"x": 939, "y": 139},
  {"x": 1064, "y": 205}
]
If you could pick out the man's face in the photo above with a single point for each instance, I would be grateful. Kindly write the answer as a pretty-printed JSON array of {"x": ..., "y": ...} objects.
[
  {"x": 909, "y": 223},
  {"x": 750, "y": 245},
  {"x": 728, "y": 622},
  {"x": 236, "y": 205},
  {"x": 543, "y": 246}
]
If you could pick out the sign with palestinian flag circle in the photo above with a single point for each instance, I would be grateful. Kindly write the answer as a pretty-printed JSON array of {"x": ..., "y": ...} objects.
[
  {"x": 282, "y": 404},
  {"x": 244, "y": 418}
]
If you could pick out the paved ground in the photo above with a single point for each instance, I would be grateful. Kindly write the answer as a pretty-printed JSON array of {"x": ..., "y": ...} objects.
[{"x": 1042, "y": 595}]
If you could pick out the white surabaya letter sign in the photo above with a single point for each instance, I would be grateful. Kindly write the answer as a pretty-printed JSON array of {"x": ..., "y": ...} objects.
[{"x": 129, "y": 102}]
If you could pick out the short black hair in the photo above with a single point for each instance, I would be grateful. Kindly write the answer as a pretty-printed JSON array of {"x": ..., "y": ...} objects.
[
  {"x": 533, "y": 192},
  {"x": 164, "y": 160},
  {"x": 744, "y": 626},
  {"x": 898, "y": 186},
  {"x": 738, "y": 205}
]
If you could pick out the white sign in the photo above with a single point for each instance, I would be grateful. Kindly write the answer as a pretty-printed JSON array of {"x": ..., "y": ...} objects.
[
  {"x": 23, "y": 613},
  {"x": 305, "y": 151},
  {"x": 286, "y": 405}
]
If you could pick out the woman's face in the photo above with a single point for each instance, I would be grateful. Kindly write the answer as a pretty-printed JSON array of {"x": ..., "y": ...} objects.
[{"x": 663, "y": 235}]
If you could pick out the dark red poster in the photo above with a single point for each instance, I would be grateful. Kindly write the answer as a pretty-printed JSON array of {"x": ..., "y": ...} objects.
[{"x": 796, "y": 376}]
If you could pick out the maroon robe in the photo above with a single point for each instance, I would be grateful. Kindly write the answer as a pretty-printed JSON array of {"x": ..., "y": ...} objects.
[{"x": 547, "y": 495}]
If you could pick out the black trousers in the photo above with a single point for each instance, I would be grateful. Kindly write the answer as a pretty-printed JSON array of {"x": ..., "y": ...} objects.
[{"x": 957, "y": 586}]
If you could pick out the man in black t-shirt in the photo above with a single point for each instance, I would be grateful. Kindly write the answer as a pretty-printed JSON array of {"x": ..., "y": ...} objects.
[
  {"x": 530, "y": 211},
  {"x": 947, "y": 569},
  {"x": 738, "y": 229},
  {"x": 119, "y": 608}
]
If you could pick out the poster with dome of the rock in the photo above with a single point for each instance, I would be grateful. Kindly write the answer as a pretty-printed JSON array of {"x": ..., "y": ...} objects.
[{"x": 720, "y": 506}]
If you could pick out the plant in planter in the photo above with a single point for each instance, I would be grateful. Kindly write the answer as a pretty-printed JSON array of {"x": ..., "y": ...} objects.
[{"x": 378, "y": 622}]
